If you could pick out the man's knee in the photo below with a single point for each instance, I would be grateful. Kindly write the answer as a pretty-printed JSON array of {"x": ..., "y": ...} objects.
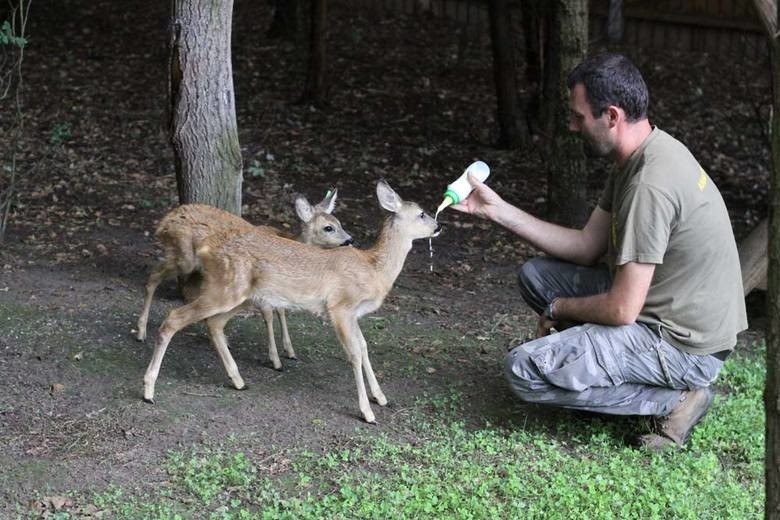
[
  {"x": 522, "y": 374},
  {"x": 531, "y": 282}
]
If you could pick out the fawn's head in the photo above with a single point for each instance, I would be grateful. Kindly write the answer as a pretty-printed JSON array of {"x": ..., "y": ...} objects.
[
  {"x": 408, "y": 217},
  {"x": 319, "y": 227}
]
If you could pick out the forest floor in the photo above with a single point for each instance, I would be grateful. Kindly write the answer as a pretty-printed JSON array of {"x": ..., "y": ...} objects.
[{"x": 411, "y": 101}]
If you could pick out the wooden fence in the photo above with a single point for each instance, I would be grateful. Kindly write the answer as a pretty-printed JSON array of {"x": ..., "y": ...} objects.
[{"x": 715, "y": 26}]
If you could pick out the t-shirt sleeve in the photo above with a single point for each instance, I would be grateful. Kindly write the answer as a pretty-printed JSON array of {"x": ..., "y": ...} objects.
[{"x": 645, "y": 220}]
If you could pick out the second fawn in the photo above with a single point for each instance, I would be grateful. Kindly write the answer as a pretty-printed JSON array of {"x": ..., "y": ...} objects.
[
  {"x": 270, "y": 271},
  {"x": 182, "y": 230}
]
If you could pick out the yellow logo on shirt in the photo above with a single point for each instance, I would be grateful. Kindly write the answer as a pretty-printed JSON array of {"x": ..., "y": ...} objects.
[{"x": 702, "y": 179}]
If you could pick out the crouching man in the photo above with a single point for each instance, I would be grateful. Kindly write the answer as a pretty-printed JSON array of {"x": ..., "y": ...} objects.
[{"x": 646, "y": 333}]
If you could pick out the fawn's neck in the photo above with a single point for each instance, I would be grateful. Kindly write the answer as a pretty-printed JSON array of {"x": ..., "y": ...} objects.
[{"x": 390, "y": 251}]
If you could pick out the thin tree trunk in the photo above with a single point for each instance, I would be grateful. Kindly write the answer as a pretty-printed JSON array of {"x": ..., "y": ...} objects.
[
  {"x": 772, "y": 392},
  {"x": 203, "y": 128},
  {"x": 504, "y": 74},
  {"x": 535, "y": 22},
  {"x": 770, "y": 18},
  {"x": 615, "y": 21},
  {"x": 567, "y": 201},
  {"x": 314, "y": 91}
]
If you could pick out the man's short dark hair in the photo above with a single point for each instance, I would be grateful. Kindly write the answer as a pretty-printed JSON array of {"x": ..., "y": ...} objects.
[{"x": 612, "y": 79}]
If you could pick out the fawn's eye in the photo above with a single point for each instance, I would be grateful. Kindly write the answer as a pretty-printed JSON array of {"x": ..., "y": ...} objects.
[{"x": 328, "y": 229}]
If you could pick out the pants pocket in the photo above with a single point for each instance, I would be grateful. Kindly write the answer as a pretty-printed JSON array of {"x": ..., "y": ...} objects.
[{"x": 571, "y": 366}]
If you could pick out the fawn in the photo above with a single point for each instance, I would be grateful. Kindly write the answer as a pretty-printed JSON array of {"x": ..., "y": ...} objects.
[
  {"x": 183, "y": 229},
  {"x": 255, "y": 268}
]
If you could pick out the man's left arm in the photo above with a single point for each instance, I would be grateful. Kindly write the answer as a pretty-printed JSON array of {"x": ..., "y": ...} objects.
[{"x": 620, "y": 306}]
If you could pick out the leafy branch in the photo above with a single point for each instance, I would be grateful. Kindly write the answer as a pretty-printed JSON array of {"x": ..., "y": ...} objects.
[{"x": 12, "y": 45}]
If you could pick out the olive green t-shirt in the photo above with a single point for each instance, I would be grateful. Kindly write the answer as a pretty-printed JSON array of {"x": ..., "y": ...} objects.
[{"x": 666, "y": 211}]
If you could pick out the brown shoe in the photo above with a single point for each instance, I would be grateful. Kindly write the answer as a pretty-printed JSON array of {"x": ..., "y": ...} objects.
[{"x": 678, "y": 425}]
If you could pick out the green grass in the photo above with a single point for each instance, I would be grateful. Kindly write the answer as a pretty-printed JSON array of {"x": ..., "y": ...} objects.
[{"x": 433, "y": 466}]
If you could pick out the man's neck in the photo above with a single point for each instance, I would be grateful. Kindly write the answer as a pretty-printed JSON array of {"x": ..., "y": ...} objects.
[{"x": 630, "y": 139}]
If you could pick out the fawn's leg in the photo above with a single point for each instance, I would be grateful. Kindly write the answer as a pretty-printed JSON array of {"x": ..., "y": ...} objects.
[
  {"x": 372, "y": 382},
  {"x": 285, "y": 335},
  {"x": 349, "y": 336},
  {"x": 268, "y": 316},
  {"x": 162, "y": 270},
  {"x": 216, "y": 325},
  {"x": 177, "y": 319}
]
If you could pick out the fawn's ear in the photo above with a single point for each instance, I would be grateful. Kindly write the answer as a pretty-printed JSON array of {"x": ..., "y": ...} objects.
[
  {"x": 303, "y": 209},
  {"x": 328, "y": 204},
  {"x": 388, "y": 199}
]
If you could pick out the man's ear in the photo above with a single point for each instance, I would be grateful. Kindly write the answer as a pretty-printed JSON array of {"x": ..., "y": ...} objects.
[{"x": 614, "y": 114}]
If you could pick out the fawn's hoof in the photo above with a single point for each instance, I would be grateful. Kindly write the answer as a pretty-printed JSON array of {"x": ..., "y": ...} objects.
[{"x": 149, "y": 400}]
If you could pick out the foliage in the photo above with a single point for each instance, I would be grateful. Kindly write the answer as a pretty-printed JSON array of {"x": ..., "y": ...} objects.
[
  {"x": 12, "y": 44},
  {"x": 9, "y": 37},
  {"x": 450, "y": 471},
  {"x": 59, "y": 134}
]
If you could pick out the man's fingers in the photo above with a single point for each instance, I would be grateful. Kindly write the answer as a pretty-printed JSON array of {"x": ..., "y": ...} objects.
[{"x": 473, "y": 180}]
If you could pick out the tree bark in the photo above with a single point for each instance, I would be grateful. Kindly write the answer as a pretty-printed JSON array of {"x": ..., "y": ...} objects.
[
  {"x": 770, "y": 18},
  {"x": 536, "y": 19},
  {"x": 504, "y": 74},
  {"x": 203, "y": 128},
  {"x": 615, "y": 21},
  {"x": 772, "y": 392},
  {"x": 567, "y": 202},
  {"x": 314, "y": 91}
]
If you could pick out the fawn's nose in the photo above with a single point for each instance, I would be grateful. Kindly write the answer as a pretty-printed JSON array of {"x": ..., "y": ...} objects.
[
  {"x": 437, "y": 230},
  {"x": 347, "y": 242}
]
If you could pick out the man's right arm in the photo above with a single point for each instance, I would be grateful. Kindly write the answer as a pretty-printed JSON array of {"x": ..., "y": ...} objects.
[{"x": 581, "y": 246}]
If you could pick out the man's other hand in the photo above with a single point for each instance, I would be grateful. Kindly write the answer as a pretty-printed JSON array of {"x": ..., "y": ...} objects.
[{"x": 544, "y": 326}]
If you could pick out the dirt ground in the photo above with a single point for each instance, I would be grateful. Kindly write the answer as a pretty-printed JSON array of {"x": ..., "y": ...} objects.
[{"x": 409, "y": 103}]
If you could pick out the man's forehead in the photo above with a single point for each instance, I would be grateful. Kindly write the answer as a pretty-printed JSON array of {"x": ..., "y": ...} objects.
[
  {"x": 577, "y": 93},
  {"x": 578, "y": 102}
]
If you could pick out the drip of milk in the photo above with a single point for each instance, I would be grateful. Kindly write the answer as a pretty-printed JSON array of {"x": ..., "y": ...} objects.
[{"x": 430, "y": 242}]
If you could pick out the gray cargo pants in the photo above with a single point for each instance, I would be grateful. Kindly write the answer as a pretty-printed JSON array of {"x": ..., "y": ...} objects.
[{"x": 626, "y": 370}]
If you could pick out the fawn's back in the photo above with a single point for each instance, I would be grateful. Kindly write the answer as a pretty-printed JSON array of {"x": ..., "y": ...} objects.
[{"x": 277, "y": 272}]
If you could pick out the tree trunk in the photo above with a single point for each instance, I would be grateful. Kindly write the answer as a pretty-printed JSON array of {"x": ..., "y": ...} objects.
[
  {"x": 536, "y": 29},
  {"x": 772, "y": 392},
  {"x": 284, "y": 23},
  {"x": 203, "y": 128},
  {"x": 615, "y": 21},
  {"x": 504, "y": 74},
  {"x": 567, "y": 202},
  {"x": 769, "y": 15},
  {"x": 314, "y": 91}
]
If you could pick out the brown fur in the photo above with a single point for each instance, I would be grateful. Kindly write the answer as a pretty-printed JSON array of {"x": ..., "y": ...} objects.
[
  {"x": 265, "y": 270},
  {"x": 184, "y": 229}
]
